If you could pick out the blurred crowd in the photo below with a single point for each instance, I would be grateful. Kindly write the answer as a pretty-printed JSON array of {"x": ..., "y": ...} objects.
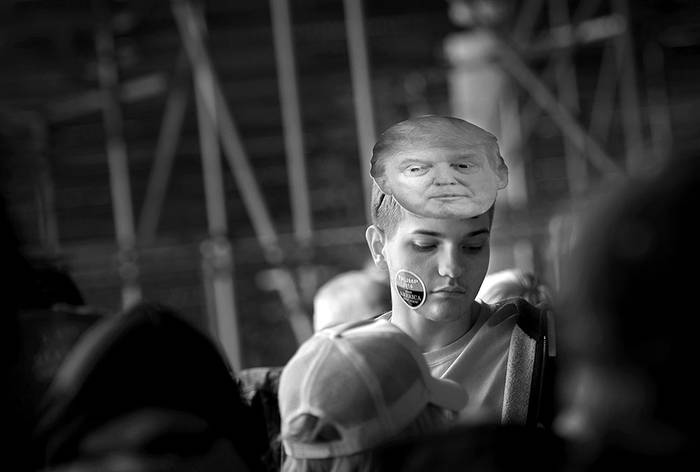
[{"x": 595, "y": 375}]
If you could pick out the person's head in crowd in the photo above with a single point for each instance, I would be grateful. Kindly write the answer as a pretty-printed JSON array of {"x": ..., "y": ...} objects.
[
  {"x": 436, "y": 254},
  {"x": 51, "y": 318},
  {"x": 53, "y": 285},
  {"x": 145, "y": 387},
  {"x": 351, "y": 296},
  {"x": 629, "y": 322},
  {"x": 514, "y": 282},
  {"x": 350, "y": 388},
  {"x": 39, "y": 328}
]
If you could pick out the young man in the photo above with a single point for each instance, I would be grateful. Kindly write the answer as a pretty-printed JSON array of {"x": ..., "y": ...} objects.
[{"x": 432, "y": 206}]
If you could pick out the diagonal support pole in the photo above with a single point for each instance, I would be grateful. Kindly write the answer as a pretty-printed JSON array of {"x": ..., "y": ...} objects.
[
  {"x": 168, "y": 139},
  {"x": 567, "y": 91},
  {"x": 217, "y": 254},
  {"x": 190, "y": 31},
  {"x": 587, "y": 146}
]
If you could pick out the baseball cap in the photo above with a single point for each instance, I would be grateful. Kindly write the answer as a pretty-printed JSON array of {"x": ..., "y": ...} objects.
[{"x": 366, "y": 380}]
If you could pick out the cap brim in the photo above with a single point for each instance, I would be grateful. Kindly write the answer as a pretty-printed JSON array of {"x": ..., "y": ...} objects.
[{"x": 447, "y": 393}]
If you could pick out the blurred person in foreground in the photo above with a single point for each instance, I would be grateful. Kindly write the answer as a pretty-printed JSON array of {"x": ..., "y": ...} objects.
[
  {"x": 17, "y": 411},
  {"x": 351, "y": 296},
  {"x": 514, "y": 282},
  {"x": 143, "y": 390},
  {"x": 44, "y": 315},
  {"x": 629, "y": 326},
  {"x": 437, "y": 179},
  {"x": 354, "y": 387}
]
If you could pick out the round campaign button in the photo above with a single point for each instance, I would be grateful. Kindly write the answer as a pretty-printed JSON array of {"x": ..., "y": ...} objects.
[{"x": 410, "y": 287}]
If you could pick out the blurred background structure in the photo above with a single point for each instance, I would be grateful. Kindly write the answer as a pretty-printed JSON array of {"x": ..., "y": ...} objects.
[{"x": 213, "y": 155}]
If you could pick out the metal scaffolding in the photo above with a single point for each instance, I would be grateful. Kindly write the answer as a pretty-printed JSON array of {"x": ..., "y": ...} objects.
[
  {"x": 217, "y": 129},
  {"x": 482, "y": 53},
  {"x": 520, "y": 58}
]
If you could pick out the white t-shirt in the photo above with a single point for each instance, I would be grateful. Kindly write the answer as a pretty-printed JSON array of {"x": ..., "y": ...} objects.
[{"x": 478, "y": 361}]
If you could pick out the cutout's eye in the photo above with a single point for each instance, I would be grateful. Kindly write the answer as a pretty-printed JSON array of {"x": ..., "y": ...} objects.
[
  {"x": 467, "y": 167},
  {"x": 415, "y": 170}
]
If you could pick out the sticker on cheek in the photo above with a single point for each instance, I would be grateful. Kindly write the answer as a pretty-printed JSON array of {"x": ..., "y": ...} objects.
[{"x": 410, "y": 288}]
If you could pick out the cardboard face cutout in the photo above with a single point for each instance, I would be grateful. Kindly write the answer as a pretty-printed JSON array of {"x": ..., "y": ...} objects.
[{"x": 441, "y": 168}]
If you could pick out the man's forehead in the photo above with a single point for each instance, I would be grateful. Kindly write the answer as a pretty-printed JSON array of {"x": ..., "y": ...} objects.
[{"x": 416, "y": 224}]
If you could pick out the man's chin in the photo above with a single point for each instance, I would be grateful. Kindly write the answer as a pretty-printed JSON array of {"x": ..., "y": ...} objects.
[{"x": 443, "y": 312}]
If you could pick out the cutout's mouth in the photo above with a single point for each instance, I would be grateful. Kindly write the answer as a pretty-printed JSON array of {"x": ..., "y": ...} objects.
[{"x": 448, "y": 196}]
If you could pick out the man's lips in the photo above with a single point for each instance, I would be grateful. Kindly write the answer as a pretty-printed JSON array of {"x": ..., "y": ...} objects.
[{"x": 450, "y": 290}]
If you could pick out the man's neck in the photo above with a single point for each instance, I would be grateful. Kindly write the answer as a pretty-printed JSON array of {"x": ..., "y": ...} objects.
[{"x": 431, "y": 335}]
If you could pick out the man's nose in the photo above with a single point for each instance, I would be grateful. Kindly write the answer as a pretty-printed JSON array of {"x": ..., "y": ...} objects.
[{"x": 450, "y": 264}]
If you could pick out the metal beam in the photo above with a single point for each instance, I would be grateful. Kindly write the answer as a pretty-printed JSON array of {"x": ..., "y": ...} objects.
[
  {"x": 567, "y": 91},
  {"x": 362, "y": 92},
  {"x": 191, "y": 34},
  {"x": 168, "y": 139},
  {"x": 569, "y": 126},
  {"x": 635, "y": 148},
  {"x": 116, "y": 155},
  {"x": 132, "y": 90},
  {"x": 292, "y": 121},
  {"x": 601, "y": 114},
  {"x": 217, "y": 256}
]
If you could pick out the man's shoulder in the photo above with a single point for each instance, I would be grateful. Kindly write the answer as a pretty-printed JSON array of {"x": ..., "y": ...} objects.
[
  {"x": 513, "y": 303},
  {"x": 382, "y": 316},
  {"x": 532, "y": 319}
]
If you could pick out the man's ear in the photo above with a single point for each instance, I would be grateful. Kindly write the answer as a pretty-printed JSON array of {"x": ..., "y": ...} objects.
[{"x": 376, "y": 240}]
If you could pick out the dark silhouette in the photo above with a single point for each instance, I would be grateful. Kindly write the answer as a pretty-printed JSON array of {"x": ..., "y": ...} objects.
[
  {"x": 629, "y": 326},
  {"x": 17, "y": 414},
  {"x": 148, "y": 386}
]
